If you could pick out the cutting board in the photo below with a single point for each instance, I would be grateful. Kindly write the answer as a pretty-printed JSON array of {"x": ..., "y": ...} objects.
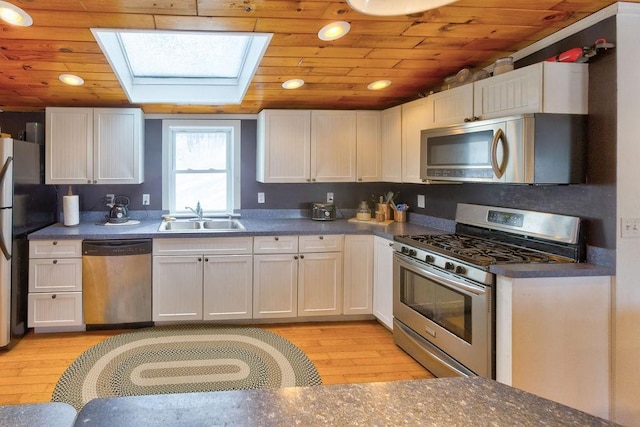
[{"x": 372, "y": 221}]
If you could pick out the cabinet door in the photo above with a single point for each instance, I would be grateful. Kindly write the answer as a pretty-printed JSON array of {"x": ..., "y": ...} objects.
[
  {"x": 320, "y": 284},
  {"x": 54, "y": 309},
  {"x": 275, "y": 286},
  {"x": 283, "y": 146},
  {"x": 55, "y": 275},
  {"x": 333, "y": 146},
  {"x": 368, "y": 146},
  {"x": 55, "y": 248},
  {"x": 358, "y": 274},
  {"x": 68, "y": 146},
  {"x": 177, "y": 288},
  {"x": 451, "y": 106},
  {"x": 415, "y": 118},
  {"x": 118, "y": 146},
  {"x": 391, "y": 129},
  {"x": 383, "y": 281},
  {"x": 227, "y": 287}
]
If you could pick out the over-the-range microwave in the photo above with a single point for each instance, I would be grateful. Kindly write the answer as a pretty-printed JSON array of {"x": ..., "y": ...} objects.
[{"x": 525, "y": 149}]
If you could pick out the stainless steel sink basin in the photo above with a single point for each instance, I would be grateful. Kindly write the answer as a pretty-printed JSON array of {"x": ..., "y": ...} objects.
[{"x": 204, "y": 226}]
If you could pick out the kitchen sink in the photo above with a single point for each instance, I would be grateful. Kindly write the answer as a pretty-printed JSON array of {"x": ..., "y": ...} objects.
[{"x": 201, "y": 226}]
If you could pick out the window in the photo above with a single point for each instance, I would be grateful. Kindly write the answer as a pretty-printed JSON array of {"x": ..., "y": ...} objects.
[{"x": 201, "y": 160}]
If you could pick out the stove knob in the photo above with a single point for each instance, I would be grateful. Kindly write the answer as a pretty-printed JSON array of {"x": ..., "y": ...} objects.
[
  {"x": 413, "y": 252},
  {"x": 429, "y": 258},
  {"x": 448, "y": 266},
  {"x": 461, "y": 270},
  {"x": 404, "y": 250}
]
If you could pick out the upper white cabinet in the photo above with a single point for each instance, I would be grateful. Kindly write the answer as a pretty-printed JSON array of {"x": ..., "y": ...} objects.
[
  {"x": 94, "y": 146},
  {"x": 318, "y": 146},
  {"x": 415, "y": 117},
  {"x": 368, "y": 146},
  {"x": 391, "y": 144},
  {"x": 545, "y": 87},
  {"x": 284, "y": 146}
]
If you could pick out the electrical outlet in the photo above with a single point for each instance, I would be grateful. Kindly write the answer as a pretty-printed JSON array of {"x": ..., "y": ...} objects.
[
  {"x": 261, "y": 197},
  {"x": 145, "y": 200},
  {"x": 630, "y": 227},
  {"x": 421, "y": 201},
  {"x": 110, "y": 197},
  {"x": 329, "y": 197}
]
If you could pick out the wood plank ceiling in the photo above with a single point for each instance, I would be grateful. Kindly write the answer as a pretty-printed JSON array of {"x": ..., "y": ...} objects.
[{"x": 415, "y": 52}]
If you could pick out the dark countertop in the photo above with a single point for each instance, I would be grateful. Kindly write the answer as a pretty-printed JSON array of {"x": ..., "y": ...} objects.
[
  {"x": 303, "y": 226},
  {"x": 434, "y": 402}
]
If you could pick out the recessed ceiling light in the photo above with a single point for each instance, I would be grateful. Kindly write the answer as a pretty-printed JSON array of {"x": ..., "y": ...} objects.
[
  {"x": 396, "y": 7},
  {"x": 380, "y": 84},
  {"x": 334, "y": 30},
  {"x": 14, "y": 15},
  {"x": 71, "y": 79},
  {"x": 293, "y": 84}
]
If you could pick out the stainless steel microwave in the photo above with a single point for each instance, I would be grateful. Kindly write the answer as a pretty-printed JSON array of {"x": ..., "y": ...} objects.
[{"x": 524, "y": 149}]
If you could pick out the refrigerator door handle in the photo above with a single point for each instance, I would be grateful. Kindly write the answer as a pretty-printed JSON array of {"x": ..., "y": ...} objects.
[{"x": 5, "y": 168}]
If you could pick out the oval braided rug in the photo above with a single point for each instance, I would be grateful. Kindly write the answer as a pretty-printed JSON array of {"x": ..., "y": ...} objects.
[{"x": 183, "y": 359}]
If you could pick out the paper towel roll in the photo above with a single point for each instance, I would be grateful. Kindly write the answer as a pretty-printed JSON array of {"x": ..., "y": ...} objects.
[{"x": 71, "y": 210}]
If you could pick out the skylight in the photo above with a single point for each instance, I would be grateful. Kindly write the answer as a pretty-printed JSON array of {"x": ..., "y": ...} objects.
[{"x": 181, "y": 67}]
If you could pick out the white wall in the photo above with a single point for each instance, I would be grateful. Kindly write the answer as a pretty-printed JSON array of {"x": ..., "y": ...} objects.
[{"x": 626, "y": 345}]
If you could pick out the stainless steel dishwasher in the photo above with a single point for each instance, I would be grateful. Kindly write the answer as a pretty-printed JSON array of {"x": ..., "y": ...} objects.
[{"x": 116, "y": 281}]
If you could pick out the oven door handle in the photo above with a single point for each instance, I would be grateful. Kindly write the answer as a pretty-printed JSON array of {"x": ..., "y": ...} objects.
[{"x": 465, "y": 288}]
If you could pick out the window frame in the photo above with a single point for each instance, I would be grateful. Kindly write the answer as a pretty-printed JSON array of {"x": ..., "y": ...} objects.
[{"x": 169, "y": 127}]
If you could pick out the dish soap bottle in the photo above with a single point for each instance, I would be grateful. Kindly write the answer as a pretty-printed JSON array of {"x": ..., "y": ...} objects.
[{"x": 363, "y": 213}]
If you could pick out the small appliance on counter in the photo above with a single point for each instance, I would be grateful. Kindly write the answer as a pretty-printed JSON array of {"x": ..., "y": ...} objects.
[
  {"x": 119, "y": 212},
  {"x": 323, "y": 211}
]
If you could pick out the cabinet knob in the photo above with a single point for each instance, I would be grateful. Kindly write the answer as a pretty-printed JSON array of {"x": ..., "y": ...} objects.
[
  {"x": 55, "y": 243},
  {"x": 206, "y": 260},
  {"x": 313, "y": 180},
  {"x": 295, "y": 257},
  {"x": 199, "y": 259},
  {"x": 360, "y": 179},
  {"x": 321, "y": 237},
  {"x": 391, "y": 244},
  {"x": 276, "y": 238},
  {"x": 95, "y": 181},
  {"x": 301, "y": 256},
  {"x": 53, "y": 296},
  {"x": 55, "y": 261},
  {"x": 88, "y": 181}
]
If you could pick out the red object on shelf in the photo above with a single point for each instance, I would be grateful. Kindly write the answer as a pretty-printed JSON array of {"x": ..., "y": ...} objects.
[{"x": 571, "y": 55}]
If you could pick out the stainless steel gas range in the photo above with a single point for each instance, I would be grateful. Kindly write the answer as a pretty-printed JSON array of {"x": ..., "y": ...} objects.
[{"x": 444, "y": 292}]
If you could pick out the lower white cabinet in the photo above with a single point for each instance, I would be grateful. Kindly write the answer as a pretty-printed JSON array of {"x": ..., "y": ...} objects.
[
  {"x": 214, "y": 284},
  {"x": 358, "y": 274},
  {"x": 55, "y": 283},
  {"x": 275, "y": 285},
  {"x": 383, "y": 281},
  {"x": 320, "y": 275}
]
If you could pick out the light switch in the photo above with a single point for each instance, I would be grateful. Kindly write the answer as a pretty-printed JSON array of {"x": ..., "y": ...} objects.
[
  {"x": 421, "y": 201},
  {"x": 260, "y": 197}
]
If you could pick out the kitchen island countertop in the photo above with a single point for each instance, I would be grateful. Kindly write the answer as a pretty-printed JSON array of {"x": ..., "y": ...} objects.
[{"x": 435, "y": 402}]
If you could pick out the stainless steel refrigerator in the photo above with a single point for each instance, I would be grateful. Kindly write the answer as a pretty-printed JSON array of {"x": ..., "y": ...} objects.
[{"x": 26, "y": 205}]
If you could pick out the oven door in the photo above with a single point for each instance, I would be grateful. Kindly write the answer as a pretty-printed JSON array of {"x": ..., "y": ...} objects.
[{"x": 446, "y": 311}]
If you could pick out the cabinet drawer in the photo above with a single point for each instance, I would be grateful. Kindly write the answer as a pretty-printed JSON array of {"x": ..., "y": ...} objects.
[
  {"x": 322, "y": 243},
  {"x": 203, "y": 246},
  {"x": 55, "y": 275},
  {"x": 275, "y": 244},
  {"x": 55, "y": 248},
  {"x": 55, "y": 309}
]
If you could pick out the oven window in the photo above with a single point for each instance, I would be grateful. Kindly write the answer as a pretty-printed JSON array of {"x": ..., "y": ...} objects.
[{"x": 439, "y": 303}]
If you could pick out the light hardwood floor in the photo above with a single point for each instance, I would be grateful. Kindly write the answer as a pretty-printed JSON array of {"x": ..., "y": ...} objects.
[{"x": 343, "y": 352}]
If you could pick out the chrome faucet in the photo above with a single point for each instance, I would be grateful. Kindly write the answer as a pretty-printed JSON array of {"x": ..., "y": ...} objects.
[{"x": 198, "y": 210}]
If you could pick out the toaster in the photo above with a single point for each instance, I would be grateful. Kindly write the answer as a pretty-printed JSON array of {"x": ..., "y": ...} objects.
[{"x": 323, "y": 211}]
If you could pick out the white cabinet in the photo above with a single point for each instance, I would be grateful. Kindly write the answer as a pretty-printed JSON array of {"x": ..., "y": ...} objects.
[
  {"x": 383, "y": 281},
  {"x": 318, "y": 146},
  {"x": 94, "y": 146},
  {"x": 320, "y": 275},
  {"x": 358, "y": 274},
  {"x": 333, "y": 146},
  {"x": 297, "y": 276},
  {"x": 415, "y": 118},
  {"x": 552, "y": 338},
  {"x": 284, "y": 146},
  {"x": 391, "y": 145},
  {"x": 368, "y": 146},
  {"x": 55, "y": 283},
  {"x": 275, "y": 276},
  {"x": 545, "y": 87},
  {"x": 202, "y": 279}
]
